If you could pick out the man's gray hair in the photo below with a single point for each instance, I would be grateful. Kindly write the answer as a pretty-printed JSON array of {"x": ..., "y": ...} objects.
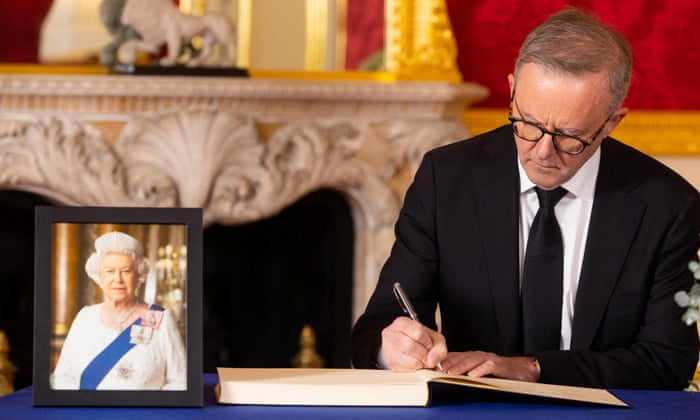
[{"x": 575, "y": 42}]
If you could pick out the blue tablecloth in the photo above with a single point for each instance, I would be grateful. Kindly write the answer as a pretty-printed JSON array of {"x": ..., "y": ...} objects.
[{"x": 644, "y": 405}]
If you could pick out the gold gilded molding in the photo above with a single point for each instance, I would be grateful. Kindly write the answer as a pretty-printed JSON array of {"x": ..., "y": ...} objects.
[
  {"x": 317, "y": 34},
  {"x": 322, "y": 75},
  {"x": 419, "y": 42},
  {"x": 245, "y": 27},
  {"x": 341, "y": 33},
  {"x": 6, "y": 68},
  {"x": 662, "y": 132},
  {"x": 655, "y": 132},
  {"x": 193, "y": 7}
]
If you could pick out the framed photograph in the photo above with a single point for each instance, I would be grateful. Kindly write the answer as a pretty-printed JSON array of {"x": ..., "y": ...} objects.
[{"x": 118, "y": 306}]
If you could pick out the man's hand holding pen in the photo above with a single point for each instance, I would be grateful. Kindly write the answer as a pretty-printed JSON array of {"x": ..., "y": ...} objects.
[{"x": 408, "y": 345}]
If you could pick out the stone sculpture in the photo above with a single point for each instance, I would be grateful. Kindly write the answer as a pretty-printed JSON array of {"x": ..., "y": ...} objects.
[{"x": 159, "y": 23}]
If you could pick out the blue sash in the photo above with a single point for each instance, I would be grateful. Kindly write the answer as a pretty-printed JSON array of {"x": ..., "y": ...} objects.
[{"x": 98, "y": 368}]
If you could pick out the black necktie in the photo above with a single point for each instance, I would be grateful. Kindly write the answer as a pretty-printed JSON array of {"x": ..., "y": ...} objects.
[{"x": 542, "y": 277}]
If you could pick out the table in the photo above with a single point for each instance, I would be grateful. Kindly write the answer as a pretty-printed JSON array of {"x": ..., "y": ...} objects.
[{"x": 645, "y": 405}]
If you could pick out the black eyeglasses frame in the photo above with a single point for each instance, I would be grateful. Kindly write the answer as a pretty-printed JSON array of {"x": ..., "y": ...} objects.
[{"x": 553, "y": 134}]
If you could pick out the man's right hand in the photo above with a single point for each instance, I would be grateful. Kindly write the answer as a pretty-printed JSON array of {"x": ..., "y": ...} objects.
[{"x": 408, "y": 345}]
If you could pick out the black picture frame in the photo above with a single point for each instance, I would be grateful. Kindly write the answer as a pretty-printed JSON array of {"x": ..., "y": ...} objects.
[{"x": 46, "y": 220}]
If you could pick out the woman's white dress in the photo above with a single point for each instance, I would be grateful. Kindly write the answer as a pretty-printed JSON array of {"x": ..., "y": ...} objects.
[{"x": 158, "y": 364}]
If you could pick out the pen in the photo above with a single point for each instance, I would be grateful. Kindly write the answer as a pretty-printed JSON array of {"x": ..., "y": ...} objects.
[{"x": 408, "y": 308}]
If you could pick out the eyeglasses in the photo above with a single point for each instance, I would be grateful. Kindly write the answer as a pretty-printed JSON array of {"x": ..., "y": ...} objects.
[{"x": 533, "y": 132}]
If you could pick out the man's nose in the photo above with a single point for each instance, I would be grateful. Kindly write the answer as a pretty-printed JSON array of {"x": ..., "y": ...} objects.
[{"x": 545, "y": 147}]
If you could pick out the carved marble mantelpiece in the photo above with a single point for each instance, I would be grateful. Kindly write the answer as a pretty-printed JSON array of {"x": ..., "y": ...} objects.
[{"x": 242, "y": 149}]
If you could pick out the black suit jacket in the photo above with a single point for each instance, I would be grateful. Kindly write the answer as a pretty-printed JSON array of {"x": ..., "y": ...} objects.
[{"x": 457, "y": 245}]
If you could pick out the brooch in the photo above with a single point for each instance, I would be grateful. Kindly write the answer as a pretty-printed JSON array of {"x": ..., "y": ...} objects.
[
  {"x": 140, "y": 334},
  {"x": 151, "y": 318},
  {"x": 124, "y": 370}
]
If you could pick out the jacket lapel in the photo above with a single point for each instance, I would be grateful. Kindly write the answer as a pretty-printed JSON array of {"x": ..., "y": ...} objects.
[
  {"x": 496, "y": 185},
  {"x": 615, "y": 217}
]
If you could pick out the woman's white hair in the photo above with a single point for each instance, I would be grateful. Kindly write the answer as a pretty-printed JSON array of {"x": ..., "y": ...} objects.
[{"x": 117, "y": 243}]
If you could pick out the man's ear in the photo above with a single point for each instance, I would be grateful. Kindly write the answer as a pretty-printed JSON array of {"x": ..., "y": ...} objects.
[
  {"x": 511, "y": 83},
  {"x": 614, "y": 121}
]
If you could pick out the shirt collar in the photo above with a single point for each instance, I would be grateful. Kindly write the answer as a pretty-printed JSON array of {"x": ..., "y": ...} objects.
[{"x": 581, "y": 185}]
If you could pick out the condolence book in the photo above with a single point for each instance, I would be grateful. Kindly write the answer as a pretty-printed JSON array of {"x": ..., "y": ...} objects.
[{"x": 361, "y": 387}]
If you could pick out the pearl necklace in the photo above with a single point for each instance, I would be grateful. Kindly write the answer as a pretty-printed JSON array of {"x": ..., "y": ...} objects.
[{"x": 120, "y": 318}]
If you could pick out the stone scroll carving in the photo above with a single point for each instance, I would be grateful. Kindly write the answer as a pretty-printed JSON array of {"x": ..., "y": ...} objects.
[
  {"x": 237, "y": 176},
  {"x": 205, "y": 157},
  {"x": 61, "y": 159}
]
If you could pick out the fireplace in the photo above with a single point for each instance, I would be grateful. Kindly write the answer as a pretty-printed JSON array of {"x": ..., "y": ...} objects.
[
  {"x": 244, "y": 150},
  {"x": 264, "y": 281}
]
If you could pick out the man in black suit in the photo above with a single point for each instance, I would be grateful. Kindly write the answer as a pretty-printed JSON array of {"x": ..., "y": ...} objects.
[{"x": 629, "y": 227}]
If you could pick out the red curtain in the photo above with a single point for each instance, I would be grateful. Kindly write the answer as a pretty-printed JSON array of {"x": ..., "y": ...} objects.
[
  {"x": 663, "y": 34},
  {"x": 20, "y": 28},
  {"x": 365, "y": 31}
]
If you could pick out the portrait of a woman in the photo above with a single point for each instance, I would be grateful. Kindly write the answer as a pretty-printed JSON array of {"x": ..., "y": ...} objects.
[{"x": 122, "y": 343}]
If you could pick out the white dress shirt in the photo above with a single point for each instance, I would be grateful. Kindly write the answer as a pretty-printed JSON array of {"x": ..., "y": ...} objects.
[{"x": 573, "y": 213}]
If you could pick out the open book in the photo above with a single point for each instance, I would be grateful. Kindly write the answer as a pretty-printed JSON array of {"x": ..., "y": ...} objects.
[{"x": 362, "y": 387}]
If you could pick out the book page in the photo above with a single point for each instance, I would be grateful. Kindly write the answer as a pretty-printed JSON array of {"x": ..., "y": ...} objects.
[{"x": 572, "y": 393}]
